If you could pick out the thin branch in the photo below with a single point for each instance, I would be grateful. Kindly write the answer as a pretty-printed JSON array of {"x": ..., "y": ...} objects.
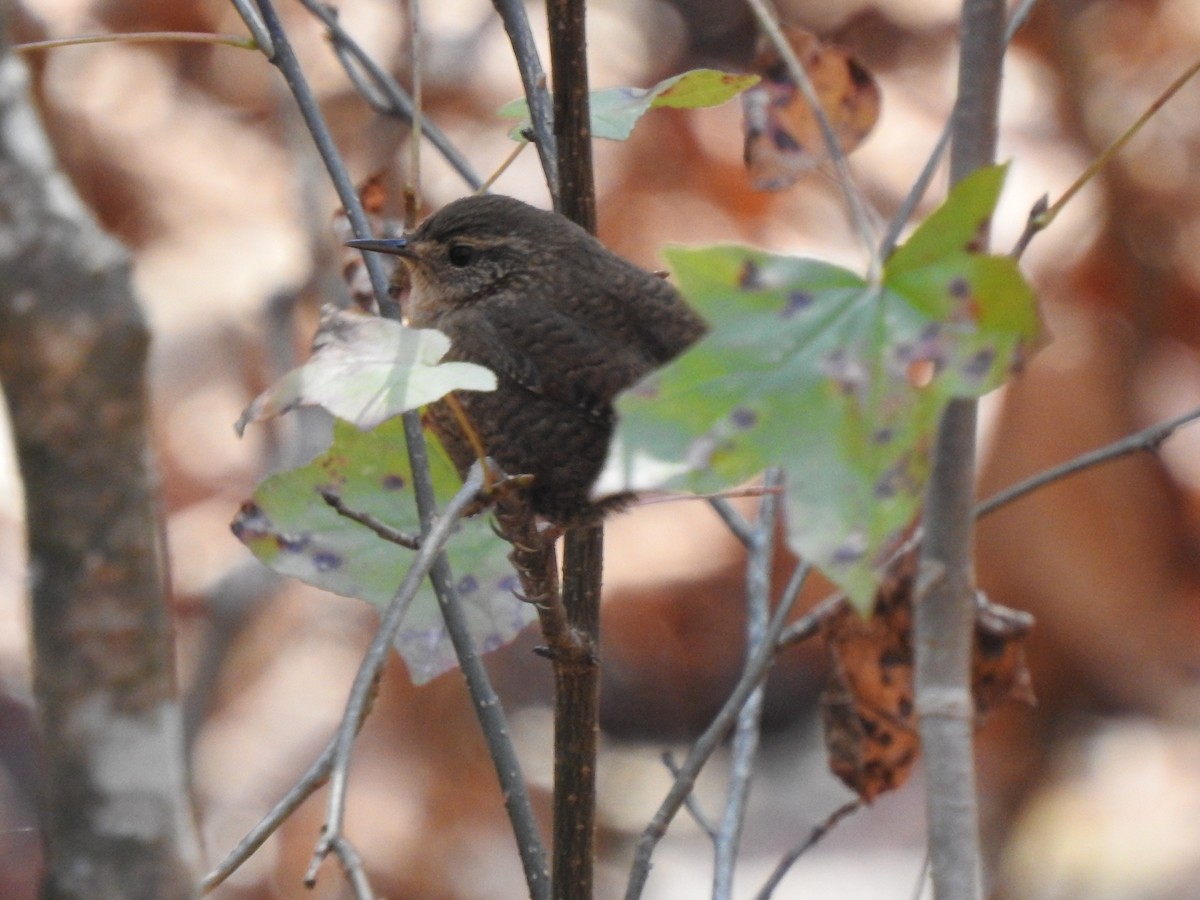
[
  {"x": 392, "y": 535},
  {"x": 755, "y": 670},
  {"x": 1147, "y": 440},
  {"x": 744, "y": 746},
  {"x": 691, "y": 804},
  {"x": 284, "y": 59},
  {"x": 734, "y": 520},
  {"x": 384, "y": 93},
  {"x": 141, "y": 37},
  {"x": 308, "y": 784},
  {"x": 483, "y": 696},
  {"x": 814, "y": 837},
  {"x": 367, "y": 679},
  {"x": 256, "y": 27},
  {"x": 1043, "y": 214},
  {"x": 917, "y": 192},
  {"x": 537, "y": 95},
  {"x": 807, "y": 626}
]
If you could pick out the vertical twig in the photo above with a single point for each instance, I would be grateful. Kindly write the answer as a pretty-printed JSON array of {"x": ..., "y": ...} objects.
[
  {"x": 533, "y": 78},
  {"x": 944, "y": 618},
  {"x": 746, "y": 733},
  {"x": 577, "y": 679}
]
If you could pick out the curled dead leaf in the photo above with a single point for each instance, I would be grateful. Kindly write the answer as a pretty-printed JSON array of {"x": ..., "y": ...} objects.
[
  {"x": 783, "y": 135},
  {"x": 869, "y": 707}
]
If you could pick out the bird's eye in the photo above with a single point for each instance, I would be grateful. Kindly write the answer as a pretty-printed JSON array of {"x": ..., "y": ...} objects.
[{"x": 461, "y": 255}]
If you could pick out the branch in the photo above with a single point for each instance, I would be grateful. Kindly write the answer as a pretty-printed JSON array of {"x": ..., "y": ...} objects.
[
  {"x": 745, "y": 736},
  {"x": 753, "y": 673},
  {"x": 789, "y": 858},
  {"x": 944, "y": 619},
  {"x": 1146, "y": 440},
  {"x": 384, "y": 93},
  {"x": 537, "y": 95},
  {"x": 367, "y": 679}
]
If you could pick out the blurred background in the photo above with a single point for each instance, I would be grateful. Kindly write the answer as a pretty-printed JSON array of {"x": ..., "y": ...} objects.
[{"x": 195, "y": 157}]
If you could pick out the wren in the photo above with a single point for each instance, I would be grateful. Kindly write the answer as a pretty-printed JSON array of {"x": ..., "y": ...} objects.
[{"x": 564, "y": 323}]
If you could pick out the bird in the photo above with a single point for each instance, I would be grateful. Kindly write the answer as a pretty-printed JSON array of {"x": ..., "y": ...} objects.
[{"x": 564, "y": 323}]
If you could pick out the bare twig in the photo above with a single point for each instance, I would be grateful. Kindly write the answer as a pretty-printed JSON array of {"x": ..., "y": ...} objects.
[
  {"x": 744, "y": 746},
  {"x": 734, "y": 520},
  {"x": 392, "y": 535},
  {"x": 308, "y": 783},
  {"x": 1148, "y": 440},
  {"x": 483, "y": 696},
  {"x": 367, "y": 679},
  {"x": 254, "y": 23},
  {"x": 384, "y": 93},
  {"x": 691, "y": 804},
  {"x": 140, "y": 37},
  {"x": 814, "y": 837},
  {"x": 537, "y": 95},
  {"x": 921, "y": 185},
  {"x": 1044, "y": 213},
  {"x": 755, "y": 670}
]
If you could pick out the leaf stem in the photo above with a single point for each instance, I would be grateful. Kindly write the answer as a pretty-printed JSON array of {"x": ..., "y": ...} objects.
[{"x": 141, "y": 37}]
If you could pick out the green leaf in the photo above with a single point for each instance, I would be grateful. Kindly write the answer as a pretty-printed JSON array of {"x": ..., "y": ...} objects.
[
  {"x": 956, "y": 224},
  {"x": 841, "y": 381},
  {"x": 290, "y": 528},
  {"x": 366, "y": 369},
  {"x": 616, "y": 110}
]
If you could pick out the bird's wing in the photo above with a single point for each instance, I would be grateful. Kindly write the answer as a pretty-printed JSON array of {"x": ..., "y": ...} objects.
[{"x": 551, "y": 354}]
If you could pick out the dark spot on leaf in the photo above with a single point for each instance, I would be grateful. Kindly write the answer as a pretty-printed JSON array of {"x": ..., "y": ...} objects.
[
  {"x": 749, "y": 278},
  {"x": 743, "y": 418},
  {"x": 326, "y": 561},
  {"x": 980, "y": 363},
  {"x": 467, "y": 585},
  {"x": 851, "y": 551},
  {"x": 959, "y": 288},
  {"x": 785, "y": 141},
  {"x": 883, "y": 435},
  {"x": 796, "y": 302},
  {"x": 291, "y": 544},
  {"x": 393, "y": 482}
]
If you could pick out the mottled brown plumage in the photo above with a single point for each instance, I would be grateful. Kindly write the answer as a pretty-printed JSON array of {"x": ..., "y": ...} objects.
[{"x": 564, "y": 323}]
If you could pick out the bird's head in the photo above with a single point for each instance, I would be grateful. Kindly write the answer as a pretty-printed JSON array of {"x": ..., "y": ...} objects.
[{"x": 471, "y": 250}]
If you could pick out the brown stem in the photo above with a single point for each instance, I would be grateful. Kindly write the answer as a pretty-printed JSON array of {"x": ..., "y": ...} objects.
[{"x": 577, "y": 676}]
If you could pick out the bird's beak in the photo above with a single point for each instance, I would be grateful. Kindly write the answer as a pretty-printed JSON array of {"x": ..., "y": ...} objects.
[{"x": 394, "y": 246}]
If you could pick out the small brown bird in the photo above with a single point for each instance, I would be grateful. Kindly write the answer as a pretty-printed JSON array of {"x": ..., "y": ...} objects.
[{"x": 564, "y": 323}]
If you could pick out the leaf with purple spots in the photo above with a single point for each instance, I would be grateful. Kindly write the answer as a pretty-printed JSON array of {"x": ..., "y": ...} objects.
[
  {"x": 840, "y": 380},
  {"x": 290, "y": 528}
]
